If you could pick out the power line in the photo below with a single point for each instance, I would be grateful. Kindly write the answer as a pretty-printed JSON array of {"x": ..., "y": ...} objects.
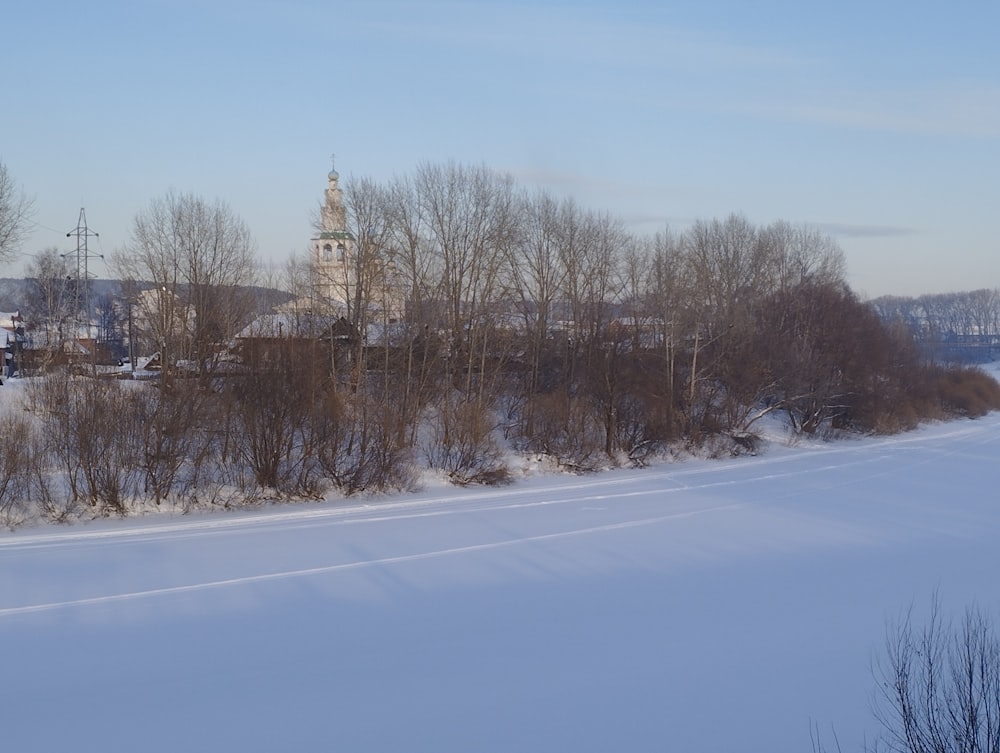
[{"x": 37, "y": 224}]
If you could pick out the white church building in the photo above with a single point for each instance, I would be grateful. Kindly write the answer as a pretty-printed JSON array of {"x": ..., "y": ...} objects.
[{"x": 336, "y": 264}]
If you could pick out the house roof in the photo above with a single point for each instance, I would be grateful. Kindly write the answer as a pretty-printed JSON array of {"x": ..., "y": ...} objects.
[
  {"x": 270, "y": 325},
  {"x": 295, "y": 325},
  {"x": 11, "y": 320},
  {"x": 336, "y": 235}
]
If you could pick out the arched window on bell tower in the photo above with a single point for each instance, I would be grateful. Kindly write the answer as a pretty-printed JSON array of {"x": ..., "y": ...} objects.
[
  {"x": 340, "y": 251},
  {"x": 327, "y": 252}
]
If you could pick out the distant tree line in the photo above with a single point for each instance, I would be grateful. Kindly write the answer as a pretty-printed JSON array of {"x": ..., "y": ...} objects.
[
  {"x": 950, "y": 327},
  {"x": 529, "y": 325}
]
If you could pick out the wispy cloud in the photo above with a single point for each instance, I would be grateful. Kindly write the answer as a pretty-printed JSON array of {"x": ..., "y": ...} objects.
[
  {"x": 970, "y": 109},
  {"x": 575, "y": 34},
  {"x": 847, "y": 230},
  {"x": 573, "y": 182},
  {"x": 558, "y": 180},
  {"x": 705, "y": 69}
]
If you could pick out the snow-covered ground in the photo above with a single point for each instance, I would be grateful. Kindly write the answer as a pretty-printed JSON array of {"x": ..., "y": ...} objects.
[{"x": 699, "y": 606}]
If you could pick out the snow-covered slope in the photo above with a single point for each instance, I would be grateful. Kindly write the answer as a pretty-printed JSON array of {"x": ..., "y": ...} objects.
[{"x": 702, "y": 606}]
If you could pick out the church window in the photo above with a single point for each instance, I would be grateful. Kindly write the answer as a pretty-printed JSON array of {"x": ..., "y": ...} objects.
[
  {"x": 327, "y": 252},
  {"x": 340, "y": 251}
]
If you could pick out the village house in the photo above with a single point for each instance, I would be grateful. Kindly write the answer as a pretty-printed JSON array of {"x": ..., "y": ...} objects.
[{"x": 13, "y": 341}]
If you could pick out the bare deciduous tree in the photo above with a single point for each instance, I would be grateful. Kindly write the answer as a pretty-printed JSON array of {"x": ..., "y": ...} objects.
[
  {"x": 470, "y": 225},
  {"x": 801, "y": 254},
  {"x": 198, "y": 257},
  {"x": 16, "y": 210},
  {"x": 536, "y": 278},
  {"x": 51, "y": 292},
  {"x": 938, "y": 686},
  {"x": 729, "y": 265}
]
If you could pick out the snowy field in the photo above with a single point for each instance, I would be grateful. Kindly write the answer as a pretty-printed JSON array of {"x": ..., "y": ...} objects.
[{"x": 700, "y": 606}]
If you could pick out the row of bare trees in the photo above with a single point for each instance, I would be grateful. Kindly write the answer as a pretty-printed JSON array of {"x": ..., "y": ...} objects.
[
  {"x": 585, "y": 342},
  {"x": 949, "y": 326},
  {"x": 477, "y": 319}
]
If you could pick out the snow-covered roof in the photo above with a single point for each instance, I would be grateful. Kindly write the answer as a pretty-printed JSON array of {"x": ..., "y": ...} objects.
[
  {"x": 386, "y": 334},
  {"x": 288, "y": 324}
]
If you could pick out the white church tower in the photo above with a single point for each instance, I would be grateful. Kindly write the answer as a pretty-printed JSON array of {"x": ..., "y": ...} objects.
[
  {"x": 333, "y": 249},
  {"x": 336, "y": 265}
]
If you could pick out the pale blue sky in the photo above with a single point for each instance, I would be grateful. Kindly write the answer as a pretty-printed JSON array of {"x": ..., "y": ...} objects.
[{"x": 878, "y": 121}]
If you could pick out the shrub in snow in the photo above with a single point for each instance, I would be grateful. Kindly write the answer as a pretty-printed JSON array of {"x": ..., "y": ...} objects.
[
  {"x": 968, "y": 391},
  {"x": 461, "y": 443}
]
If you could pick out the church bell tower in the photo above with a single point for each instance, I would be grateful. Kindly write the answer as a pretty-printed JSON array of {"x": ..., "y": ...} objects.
[{"x": 333, "y": 249}]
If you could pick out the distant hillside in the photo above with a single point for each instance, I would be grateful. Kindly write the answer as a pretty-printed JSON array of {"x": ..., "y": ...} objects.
[{"x": 15, "y": 294}]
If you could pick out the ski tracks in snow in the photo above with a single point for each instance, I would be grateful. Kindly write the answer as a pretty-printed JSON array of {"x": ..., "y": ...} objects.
[{"x": 837, "y": 464}]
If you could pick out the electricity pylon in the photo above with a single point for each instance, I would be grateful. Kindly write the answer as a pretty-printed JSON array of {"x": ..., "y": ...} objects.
[{"x": 81, "y": 294}]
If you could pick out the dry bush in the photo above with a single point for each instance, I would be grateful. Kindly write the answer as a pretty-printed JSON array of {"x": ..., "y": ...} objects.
[
  {"x": 914, "y": 400},
  {"x": 297, "y": 429},
  {"x": 968, "y": 391},
  {"x": 648, "y": 416},
  {"x": 48, "y": 494},
  {"x": 643, "y": 411},
  {"x": 564, "y": 431},
  {"x": 904, "y": 416},
  {"x": 45, "y": 489},
  {"x": 744, "y": 443},
  {"x": 356, "y": 447},
  {"x": 834, "y": 363},
  {"x": 16, "y": 472},
  {"x": 462, "y": 444},
  {"x": 92, "y": 432},
  {"x": 642, "y": 453},
  {"x": 175, "y": 442},
  {"x": 269, "y": 408},
  {"x": 728, "y": 444},
  {"x": 53, "y": 499},
  {"x": 225, "y": 485}
]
